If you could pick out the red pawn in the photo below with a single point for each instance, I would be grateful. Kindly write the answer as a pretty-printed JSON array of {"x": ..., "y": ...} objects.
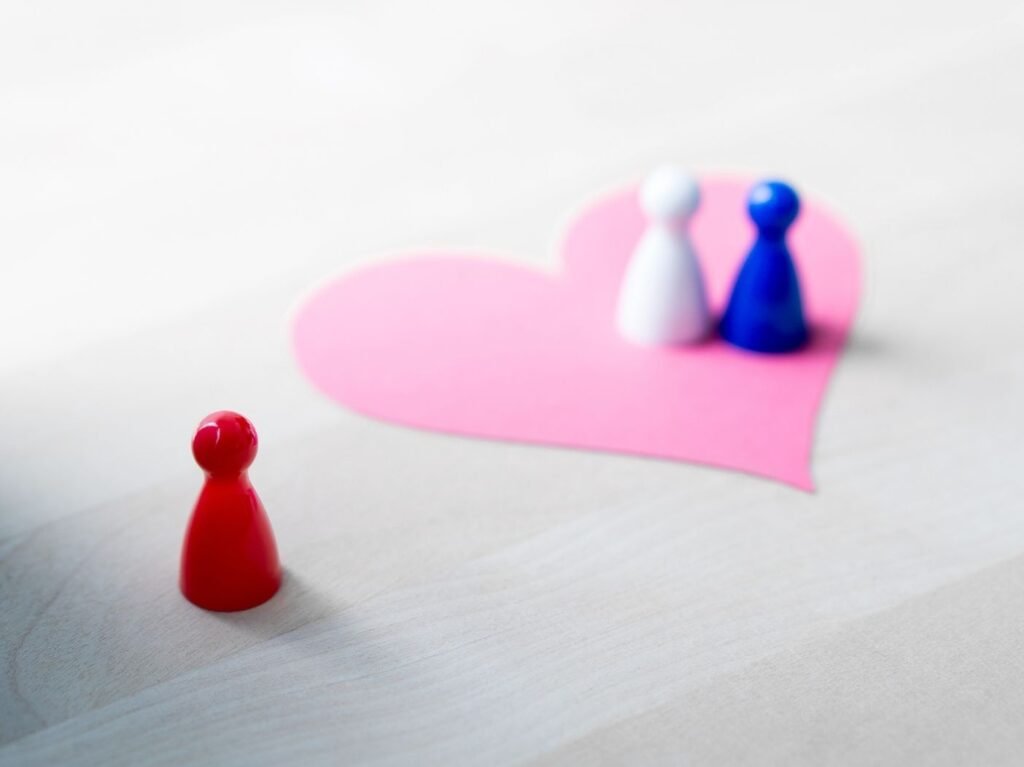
[{"x": 229, "y": 560}]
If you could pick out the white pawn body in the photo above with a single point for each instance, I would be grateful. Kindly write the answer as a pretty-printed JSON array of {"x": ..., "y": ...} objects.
[{"x": 662, "y": 300}]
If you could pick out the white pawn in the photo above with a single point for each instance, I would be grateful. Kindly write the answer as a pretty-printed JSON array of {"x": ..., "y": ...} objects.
[{"x": 662, "y": 299}]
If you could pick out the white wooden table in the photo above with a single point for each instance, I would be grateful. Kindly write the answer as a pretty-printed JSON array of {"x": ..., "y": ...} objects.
[{"x": 174, "y": 177}]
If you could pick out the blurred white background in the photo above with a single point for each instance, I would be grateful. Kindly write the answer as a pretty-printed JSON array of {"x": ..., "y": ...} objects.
[{"x": 157, "y": 157}]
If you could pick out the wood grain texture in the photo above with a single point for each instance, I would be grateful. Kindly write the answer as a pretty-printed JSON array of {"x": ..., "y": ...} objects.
[
  {"x": 911, "y": 684},
  {"x": 177, "y": 184}
]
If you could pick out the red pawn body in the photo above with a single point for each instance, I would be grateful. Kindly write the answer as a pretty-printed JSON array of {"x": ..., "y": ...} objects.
[{"x": 229, "y": 560}]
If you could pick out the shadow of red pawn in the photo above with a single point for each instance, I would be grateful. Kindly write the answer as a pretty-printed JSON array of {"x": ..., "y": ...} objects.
[{"x": 229, "y": 559}]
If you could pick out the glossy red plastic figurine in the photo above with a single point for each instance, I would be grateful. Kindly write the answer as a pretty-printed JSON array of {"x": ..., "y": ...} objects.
[{"x": 229, "y": 560}]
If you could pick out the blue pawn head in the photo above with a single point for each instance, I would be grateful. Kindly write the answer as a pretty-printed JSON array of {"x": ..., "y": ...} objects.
[{"x": 773, "y": 206}]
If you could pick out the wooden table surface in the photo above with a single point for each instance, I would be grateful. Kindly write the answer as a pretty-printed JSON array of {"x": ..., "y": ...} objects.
[{"x": 175, "y": 176}]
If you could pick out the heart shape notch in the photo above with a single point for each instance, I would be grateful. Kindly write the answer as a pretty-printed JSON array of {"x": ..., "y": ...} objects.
[{"x": 481, "y": 347}]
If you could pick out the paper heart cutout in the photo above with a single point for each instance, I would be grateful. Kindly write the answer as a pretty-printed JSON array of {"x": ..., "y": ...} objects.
[{"x": 487, "y": 348}]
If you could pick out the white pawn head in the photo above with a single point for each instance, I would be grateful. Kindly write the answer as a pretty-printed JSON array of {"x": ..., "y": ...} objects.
[{"x": 669, "y": 194}]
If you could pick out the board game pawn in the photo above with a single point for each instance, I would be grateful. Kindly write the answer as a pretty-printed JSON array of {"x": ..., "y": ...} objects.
[
  {"x": 765, "y": 311},
  {"x": 662, "y": 299},
  {"x": 229, "y": 558}
]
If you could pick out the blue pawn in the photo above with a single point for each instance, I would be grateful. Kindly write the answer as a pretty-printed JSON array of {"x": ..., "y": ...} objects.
[{"x": 765, "y": 313}]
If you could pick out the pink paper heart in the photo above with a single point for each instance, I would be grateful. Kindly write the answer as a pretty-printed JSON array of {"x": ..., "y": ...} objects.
[{"x": 486, "y": 348}]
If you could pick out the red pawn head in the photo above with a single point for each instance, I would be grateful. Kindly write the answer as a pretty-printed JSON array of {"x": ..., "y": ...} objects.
[
  {"x": 229, "y": 559},
  {"x": 225, "y": 444}
]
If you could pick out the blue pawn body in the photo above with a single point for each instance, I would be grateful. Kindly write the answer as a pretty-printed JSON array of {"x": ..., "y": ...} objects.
[{"x": 765, "y": 311}]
